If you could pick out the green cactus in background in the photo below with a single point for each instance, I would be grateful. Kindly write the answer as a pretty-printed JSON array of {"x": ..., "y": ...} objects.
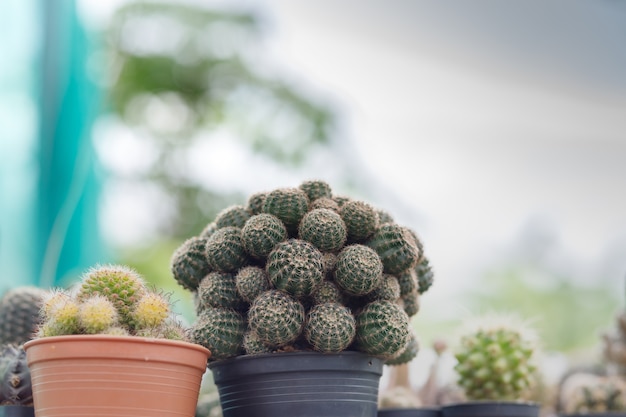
[
  {"x": 360, "y": 218},
  {"x": 261, "y": 233},
  {"x": 276, "y": 318},
  {"x": 589, "y": 394},
  {"x": 289, "y": 205},
  {"x": 324, "y": 228},
  {"x": 220, "y": 330},
  {"x": 19, "y": 310},
  {"x": 396, "y": 248},
  {"x": 384, "y": 217},
  {"x": 341, "y": 200},
  {"x": 315, "y": 189},
  {"x": 189, "y": 264},
  {"x": 255, "y": 203},
  {"x": 410, "y": 303},
  {"x": 324, "y": 203},
  {"x": 495, "y": 360},
  {"x": 251, "y": 281},
  {"x": 15, "y": 383},
  {"x": 208, "y": 230},
  {"x": 408, "y": 281},
  {"x": 382, "y": 329},
  {"x": 253, "y": 345},
  {"x": 407, "y": 354},
  {"x": 295, "y": 266},
  {"x": 225, "y": 250},
  {"x": 218, "y": 289},
  {"x": 358, "y": 269},
  {"x": 330, "y": 327},
  {"x": 233, "y": 216}
]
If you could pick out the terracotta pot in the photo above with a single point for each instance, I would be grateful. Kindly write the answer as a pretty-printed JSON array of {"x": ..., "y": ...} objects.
[{"x": 100, "y": 375}]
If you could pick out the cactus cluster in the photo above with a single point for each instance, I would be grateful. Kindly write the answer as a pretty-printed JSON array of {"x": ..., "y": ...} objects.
[
  {"x": 109, "y": 299},
  {"x": 19, "y": 309},
  {"x": 303, "y": 269},
  {"x": 15, "y": 383},
  {"x": 614, "y": 346},
  {"x": 495, "y": 361},
  {"x": 588, "y": 393}
]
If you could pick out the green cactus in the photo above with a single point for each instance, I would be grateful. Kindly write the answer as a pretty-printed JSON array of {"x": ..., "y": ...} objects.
[
  {"x": 289, "y": 205},
  {"x": 208, "y": 230},
  {"x": 327, "y": 292},
  {"x": 330, "y": 327},
  {"x": 233, "y": 216},
  {"x": 218, "y": 289},
  {"x": 15, "y": 383},
  {"x": 382, "y": 329},
  {"x": 315, "y": 189},
  {"x": 151, "y": 311},
  {"x": 60, "y": 315},
  {"x": 407, "y": 354},
  {"x": 425, "y": 275},
  {"x": 97, "y": 314},
  {"x": 276, "y": 318},
  {"x": 389, "y": 289},
  {"x": 384, "y": 217},
  {"x": 252, "y": 345},
  {"x": 341, "y": 200},
  {"x": 358, "y": 269},
  {"x": 408, "y": 281},
  {"x": 295, "y": 266},
  {"x": 220, "y": 330},
  {"x": 325, "y": 203},
  {"x": 329, "y": 260},
  {"x": 410, "y": 303},
  {"x": 225, "y": 251},
  {"x": 324, "y": 228},
  {"x": 396, "y": 248},
  {"x": 495, "y": 361},
  {"x": 250, "y": 282},
  {"x": 189, "y": 264},
  {"x": 360, "y": 218},
  {"x": 261, "y": 233},
  {"x": 119, "y": 284},
  {"x": 255, "y": 203},
  {"x": 19, "y": 309}
]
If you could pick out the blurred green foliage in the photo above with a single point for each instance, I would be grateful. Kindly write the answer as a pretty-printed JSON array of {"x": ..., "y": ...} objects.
[{"x": 181, "y": 72}]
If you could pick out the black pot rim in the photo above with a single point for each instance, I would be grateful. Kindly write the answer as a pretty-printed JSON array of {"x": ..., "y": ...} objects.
[{"x": 299, "y": 353}]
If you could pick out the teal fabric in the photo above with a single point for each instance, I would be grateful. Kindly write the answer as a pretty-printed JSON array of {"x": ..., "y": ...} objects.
[{"x": 49, "y": 233}]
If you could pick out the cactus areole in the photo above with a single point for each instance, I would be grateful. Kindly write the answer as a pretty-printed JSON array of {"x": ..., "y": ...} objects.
[{"x": 302, "y": 269}]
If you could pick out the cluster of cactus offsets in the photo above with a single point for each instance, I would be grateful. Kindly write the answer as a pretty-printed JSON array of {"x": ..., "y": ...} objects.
[
  {"x": 614, "y": 349},
  {"x": 15, "y": 383},
  {"x": 495, "y": 362},
  {"x": 110, "y": 299},
  {"x": 303, "y": 269},
  {"x": 19, "y": 309}
]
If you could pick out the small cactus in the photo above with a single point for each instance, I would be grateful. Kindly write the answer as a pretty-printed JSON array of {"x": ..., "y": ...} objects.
[
  {"x": 295, "y": 266},
  {"x": 327, "y": 292},
  {"x": 15, "y": 383},
  {"x": 255, "y": 203},
  {"x": 358, "y": 269},
  {"x": 276, "y": 318},
  {"x": 225, "y": 251},
  {"x": 495, "y": 360},
  {"x": 330, "y": 327},
  {"x": 315, "y": 189},
  {"x": 410, "y": 303},
  {"x": 289, "y": 205},
  {"x": 389, "y": 289},
  {"x": 97, "y": 314},
  {"x": 324, "y": 229},
  {"x": 407, "y": 354},
  {"x": 189, "y": 264},
  {"x": 218, "y": 289},
  {"x": 360, "y": 218},
  {"x": 424, "y": 274},
  {"x": 324, "y": 203},
  {"x": 252, "y": 345},
  {"x": 261, "y": 233},
  {"x": 382, "y": 329},
  {"x": 396, "y": 248},
  {"x": 250, "y": 282},
  {"x": 19, "y": 309},
  {"x": 220, "y": 330},
  {"x": 589, "y": 394},
  {"x": 233, "y": 216},
  {"x": 151, "y": 311}
]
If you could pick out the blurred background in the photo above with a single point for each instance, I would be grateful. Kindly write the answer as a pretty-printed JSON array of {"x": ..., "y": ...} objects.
[{"x": 496, "y": 130}]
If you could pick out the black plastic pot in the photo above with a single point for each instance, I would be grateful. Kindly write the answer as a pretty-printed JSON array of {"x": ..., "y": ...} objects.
[
  {"x": 410, "y": 412},
  {"x": 491, "y": 409},
  {"x": 607, "y": 414},
  {"x": 303, "y": 384},
  {"x": 17, "y": 411}
]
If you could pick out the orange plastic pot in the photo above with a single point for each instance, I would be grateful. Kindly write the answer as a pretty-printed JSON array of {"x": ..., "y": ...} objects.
[{"x": 100, "y": 375}]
